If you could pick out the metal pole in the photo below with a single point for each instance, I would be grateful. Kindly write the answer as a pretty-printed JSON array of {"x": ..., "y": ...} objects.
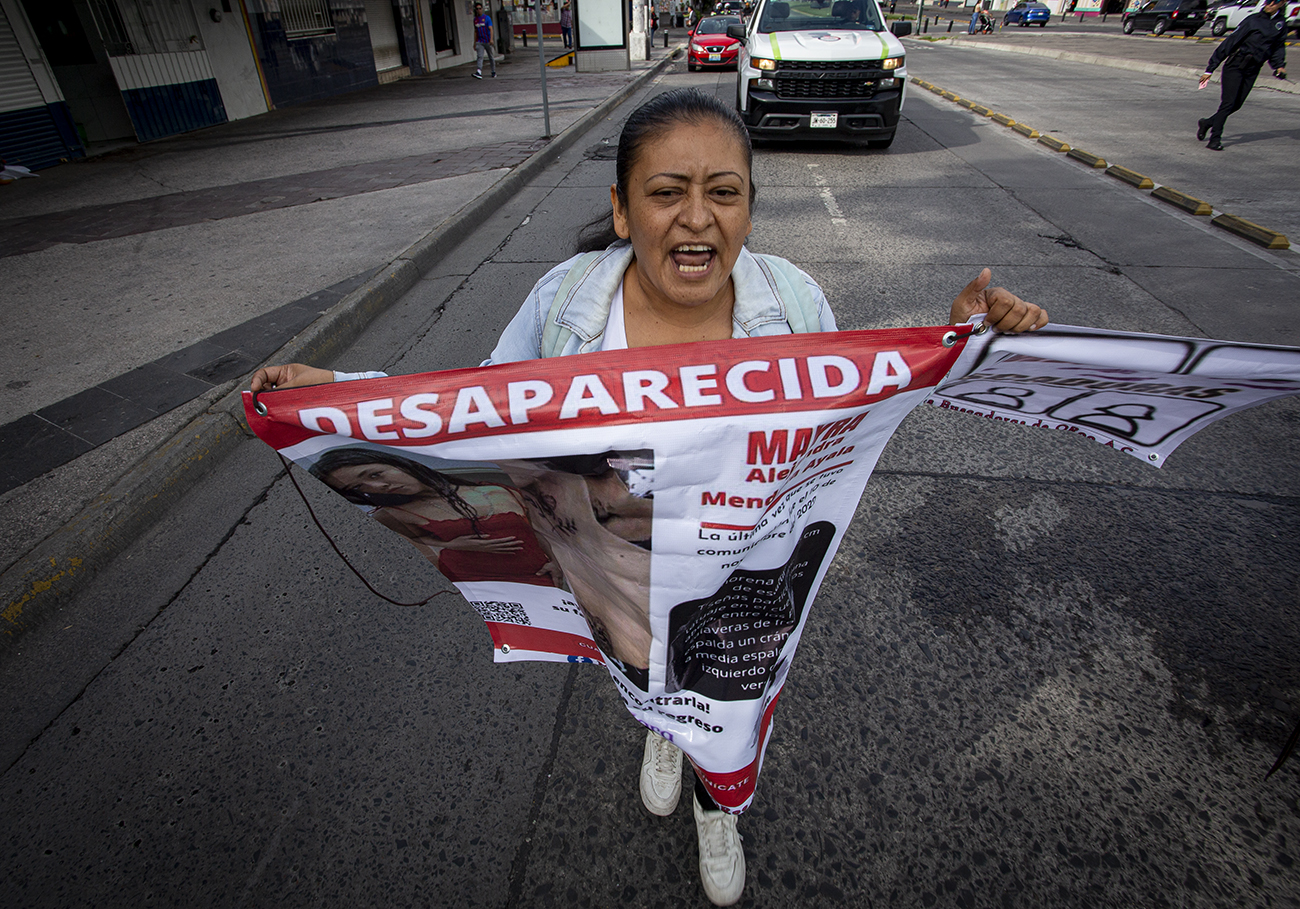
[{"x": 541, "y": 57}]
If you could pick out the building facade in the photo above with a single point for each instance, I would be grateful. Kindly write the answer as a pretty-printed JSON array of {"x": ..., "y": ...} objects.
[{"x": 87, "y": 74}]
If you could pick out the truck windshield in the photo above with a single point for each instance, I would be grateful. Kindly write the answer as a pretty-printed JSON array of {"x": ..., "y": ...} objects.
[{"x": 820, "y": 15}]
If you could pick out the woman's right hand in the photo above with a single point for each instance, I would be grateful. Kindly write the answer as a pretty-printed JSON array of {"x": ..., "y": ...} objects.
[
  {"x": 472, "y": 543},
  {"x": 290, "y": 375}
]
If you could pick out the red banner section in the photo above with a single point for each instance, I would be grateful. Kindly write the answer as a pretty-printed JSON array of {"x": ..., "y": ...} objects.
[{"x": 706, "y": 380}]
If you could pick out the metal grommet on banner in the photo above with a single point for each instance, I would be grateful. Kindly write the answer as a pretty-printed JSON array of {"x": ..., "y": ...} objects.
[
  {"x": 505, "y": 648},
  {"x": 980, "y": 328},
  {"x": 258, "y": 407},
  {"x": 949, "y": 338},
  {"x": 1153, "y": 457}
]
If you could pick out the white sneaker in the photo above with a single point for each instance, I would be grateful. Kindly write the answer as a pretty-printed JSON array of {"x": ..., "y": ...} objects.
[
  {"x": 661, "y": 775},
  {"x": 722, "y": 860},
  {"x": 478, "y": 75}
]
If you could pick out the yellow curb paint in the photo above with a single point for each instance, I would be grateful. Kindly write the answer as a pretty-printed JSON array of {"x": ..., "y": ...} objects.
[
  {"x": 1025, "y": 130},
  {"x": 13, "y": 612},
  {"x": 1129, "y": 176},
  {"x": 1269, "y": 239},
  {"x": 1054, "y": 144},
  {"x": 1182, "y": 200},
  {"x": 1088, "y": 158},
  {"x": 1003, "y": 119}
]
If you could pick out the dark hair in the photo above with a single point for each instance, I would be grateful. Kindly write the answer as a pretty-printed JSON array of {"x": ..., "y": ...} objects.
[
  {"x": 443, "y": 486},
  {"x": 647, "y": 123}
]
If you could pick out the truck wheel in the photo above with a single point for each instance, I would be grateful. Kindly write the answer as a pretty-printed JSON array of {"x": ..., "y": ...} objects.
[
  {"x": 1219, "y": 27},
  {"x": 1160, "y": 27},
  {"x": 1128, "y": 26}
]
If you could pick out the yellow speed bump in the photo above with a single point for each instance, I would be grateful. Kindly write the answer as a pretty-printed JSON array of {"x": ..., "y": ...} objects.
[
  {"x": 1269, "y": 239},
  {"x": 1025, "y": 130},
  {"x": 963, "y": 102},
  {"x": 981, "y": 110},
  {"x": 936, "y": 89},
  {"x": 1182, "y": 200},
  {"x": 1003, "y": 119},
  {"x": 1054, "y": 144},
  {"x": 1088, "y": 158},
  {"x": 1129, "y": 176},
  {"x": 951, "y": 96}
]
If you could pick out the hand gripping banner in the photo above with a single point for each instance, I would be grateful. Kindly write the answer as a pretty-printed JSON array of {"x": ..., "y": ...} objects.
[{"x": 670, "y": 512}]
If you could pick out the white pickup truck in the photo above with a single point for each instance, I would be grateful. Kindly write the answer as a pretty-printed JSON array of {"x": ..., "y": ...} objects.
[
  {"x": 1227, "y": 16},
  {"x": 820, "y": 69}
]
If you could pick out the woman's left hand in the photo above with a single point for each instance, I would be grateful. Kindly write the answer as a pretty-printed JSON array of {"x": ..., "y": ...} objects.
[{"x": 1005, "y": 312}]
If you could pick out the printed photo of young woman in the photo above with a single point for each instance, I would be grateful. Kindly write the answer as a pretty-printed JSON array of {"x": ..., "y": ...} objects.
[{"x": 466, "y": 519}]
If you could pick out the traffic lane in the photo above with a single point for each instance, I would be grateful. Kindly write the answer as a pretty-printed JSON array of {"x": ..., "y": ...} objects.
[
  {"x": 1144, "y": 122},
  {"x": 286, "y": 738},
  {"x": 1006, "y": 694}
]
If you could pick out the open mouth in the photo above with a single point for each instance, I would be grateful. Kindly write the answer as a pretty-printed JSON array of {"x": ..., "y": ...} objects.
[{"x": 693, "y": 258}]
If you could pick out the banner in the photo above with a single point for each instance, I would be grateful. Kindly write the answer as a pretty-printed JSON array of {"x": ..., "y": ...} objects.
[{"x": 670, "y": 512}]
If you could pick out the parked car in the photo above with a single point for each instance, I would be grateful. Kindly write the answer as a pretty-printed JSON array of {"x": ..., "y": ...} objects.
[
  {"x": 1160, "y": 16},
  {"x": 1293, "y": 17},
  {"x": 1225, "y": 17},
  {"x": 1027, "y": 12},
  {"x": 729, "y": 8},
  {"x": 710, "y": 45}
]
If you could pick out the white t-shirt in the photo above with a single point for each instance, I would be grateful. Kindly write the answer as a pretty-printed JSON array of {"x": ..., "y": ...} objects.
[{"x": 615, "y": 337}]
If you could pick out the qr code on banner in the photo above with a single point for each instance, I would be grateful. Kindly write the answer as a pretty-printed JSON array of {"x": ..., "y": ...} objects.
[{"x": 497, "y": 611}]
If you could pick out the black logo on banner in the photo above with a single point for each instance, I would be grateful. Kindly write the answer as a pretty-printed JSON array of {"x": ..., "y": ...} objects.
[{"x": 726, "y": 646}]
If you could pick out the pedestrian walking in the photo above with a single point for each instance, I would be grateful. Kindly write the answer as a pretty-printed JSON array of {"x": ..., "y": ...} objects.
[
  {"x": 483, "y": 41},
  {"x": 566, "y": 24},
  {"x": 1260, "y": 38},
  {"x": 671, "y": 267}
]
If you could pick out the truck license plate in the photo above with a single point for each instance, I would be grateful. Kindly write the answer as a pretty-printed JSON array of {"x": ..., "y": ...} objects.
[{"x": 824, "y": 121}]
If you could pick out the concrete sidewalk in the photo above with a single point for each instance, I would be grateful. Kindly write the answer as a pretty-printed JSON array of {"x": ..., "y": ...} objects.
[
  {"x": 1166, "y": 55},
  {"x": 143, "y": 285}
]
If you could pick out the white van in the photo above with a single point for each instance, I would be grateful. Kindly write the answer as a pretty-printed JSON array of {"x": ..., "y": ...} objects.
[{"x": 821, "y": 69}]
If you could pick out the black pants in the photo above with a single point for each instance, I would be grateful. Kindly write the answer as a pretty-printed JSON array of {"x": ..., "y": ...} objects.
[
  {"x": 706, "y": 801},
  {"x": 1238, "y": 80}
]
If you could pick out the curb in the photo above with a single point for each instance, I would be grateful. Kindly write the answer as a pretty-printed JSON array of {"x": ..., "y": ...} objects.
[
  {"x": 1137, "y": 66},
  {"x": 46, "y": 578},
  {"x": 1249, "y": 230}
]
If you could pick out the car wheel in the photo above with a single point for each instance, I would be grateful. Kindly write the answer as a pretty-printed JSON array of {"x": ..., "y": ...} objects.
[
  {"x": 690, "y": 66},
  {"x": 881, "y": 143},
  {"x": 1160, "y": 27},
  {"x": 1128, "y": 26},
  {"x": 1042, "y": 25},
  {"x": 1190, "y": 33},
  {"x": 1219, "y": 27}
]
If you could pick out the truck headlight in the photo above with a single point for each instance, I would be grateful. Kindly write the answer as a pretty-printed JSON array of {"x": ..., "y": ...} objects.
[
  {"x": 891, "y": 63},
  {"x": 762, "y": 63}
]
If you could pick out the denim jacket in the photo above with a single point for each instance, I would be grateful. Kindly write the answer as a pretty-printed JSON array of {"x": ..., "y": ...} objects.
[{"x": 759, "y": 309}]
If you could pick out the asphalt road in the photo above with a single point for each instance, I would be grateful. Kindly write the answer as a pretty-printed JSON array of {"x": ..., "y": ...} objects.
[{"x": 1038, "y": 673}]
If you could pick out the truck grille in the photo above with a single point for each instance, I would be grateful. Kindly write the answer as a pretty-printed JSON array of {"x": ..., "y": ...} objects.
[{"x": 827, "y": 79}]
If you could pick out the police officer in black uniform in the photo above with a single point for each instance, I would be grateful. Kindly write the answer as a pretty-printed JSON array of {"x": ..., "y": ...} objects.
[{"x": 1261, "y": 37}]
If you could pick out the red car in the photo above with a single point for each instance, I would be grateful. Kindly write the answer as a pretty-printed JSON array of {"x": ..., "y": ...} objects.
[{"x": 710, "y": 45}]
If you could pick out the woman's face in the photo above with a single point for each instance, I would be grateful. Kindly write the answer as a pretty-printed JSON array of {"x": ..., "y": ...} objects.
[
  {"x": 687, "y": 212},
  {"x": 375, "y": 479}
]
